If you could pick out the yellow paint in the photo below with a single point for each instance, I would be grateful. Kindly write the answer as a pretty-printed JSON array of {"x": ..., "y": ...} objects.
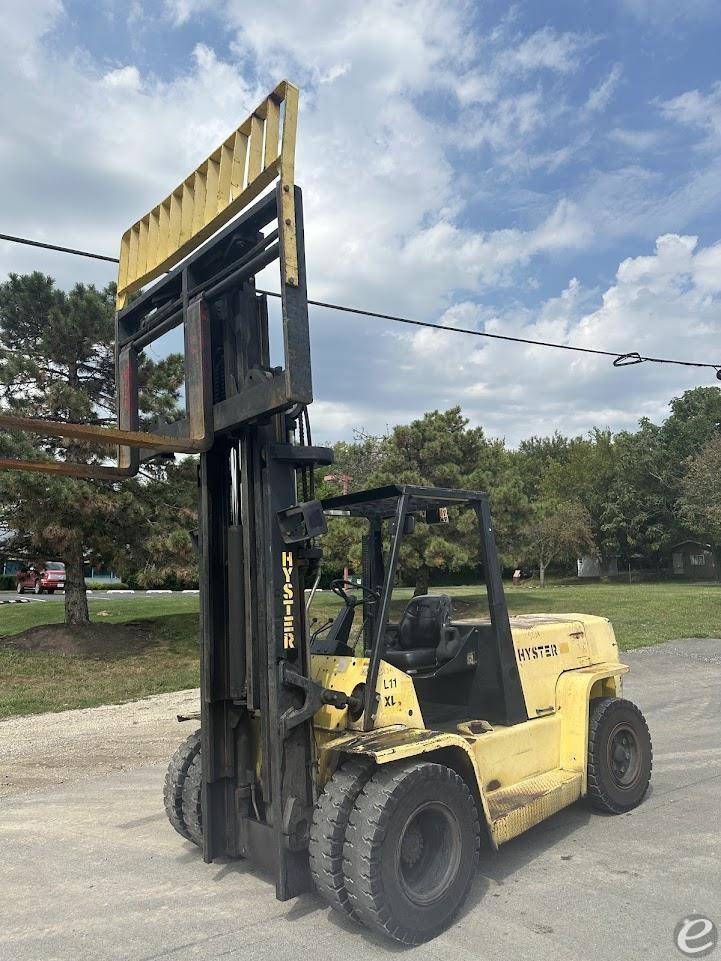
[
  {"x": 525, "y": 772},
  {"x": 399, "y": 743},
  {"x": 507, "y": 755},
  {"x": 397, "y": 703},
  {"x": 548, "y": 644},
  {"x": 516, "y": 809},
  {"x": 573, "y": 692},
  {"x": 234, "y": 174}
]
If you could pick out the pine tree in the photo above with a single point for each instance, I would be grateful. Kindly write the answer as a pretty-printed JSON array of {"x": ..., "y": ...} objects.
[{"x": 57, "y": 362}]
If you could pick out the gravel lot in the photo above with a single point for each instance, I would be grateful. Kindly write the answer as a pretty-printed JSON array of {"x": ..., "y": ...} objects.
[
  {"x": 46, "y": 750},
  {"x": 91, "y": 869}
]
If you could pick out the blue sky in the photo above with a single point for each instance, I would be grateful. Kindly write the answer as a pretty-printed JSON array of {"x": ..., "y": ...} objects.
[{"x": 550, "y": 170}]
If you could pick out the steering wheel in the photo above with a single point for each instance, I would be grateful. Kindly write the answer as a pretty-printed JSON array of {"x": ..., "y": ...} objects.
[{"x": 337, "y": 587}]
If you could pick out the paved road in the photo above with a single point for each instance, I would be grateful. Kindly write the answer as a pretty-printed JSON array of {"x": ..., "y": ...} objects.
[
  {"x": 94, "y": 595},
  {"x": 91, "y": 870}
]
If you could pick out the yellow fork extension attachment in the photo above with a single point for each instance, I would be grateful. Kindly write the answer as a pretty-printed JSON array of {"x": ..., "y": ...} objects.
[{"x": 516, "y": 808}]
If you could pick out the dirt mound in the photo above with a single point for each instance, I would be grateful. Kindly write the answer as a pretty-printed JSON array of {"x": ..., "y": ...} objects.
[{"x": 101, "y": 641}]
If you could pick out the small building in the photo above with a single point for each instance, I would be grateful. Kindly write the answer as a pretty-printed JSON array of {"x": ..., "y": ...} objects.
[
  {"x": 590, "y": 566},
  {"x": 695, "y": 560}
]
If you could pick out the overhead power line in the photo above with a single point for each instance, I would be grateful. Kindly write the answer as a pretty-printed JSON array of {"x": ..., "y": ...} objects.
[
  {"x": 620, "y": 358},
  {"x": 62, "y": 250}
]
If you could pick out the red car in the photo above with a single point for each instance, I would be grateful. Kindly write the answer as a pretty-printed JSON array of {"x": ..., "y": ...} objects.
[{"x": 48, "y": 576}]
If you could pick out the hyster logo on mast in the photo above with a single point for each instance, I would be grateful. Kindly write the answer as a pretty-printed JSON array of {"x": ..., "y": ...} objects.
[{"x": 286, "y": 562}]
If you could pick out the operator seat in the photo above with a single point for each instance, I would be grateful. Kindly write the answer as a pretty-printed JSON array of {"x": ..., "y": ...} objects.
[{"x": 423, "y": 637}]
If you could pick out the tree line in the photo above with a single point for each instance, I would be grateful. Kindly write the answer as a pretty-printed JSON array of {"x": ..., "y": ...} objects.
[{"x": 630, "y": 494}]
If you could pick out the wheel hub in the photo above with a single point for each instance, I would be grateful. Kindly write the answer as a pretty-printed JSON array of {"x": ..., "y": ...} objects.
[
  {"x": 428, "y": 853},
  {"x": 624, "y": 756},
  {"x": 411, "y": 846}
]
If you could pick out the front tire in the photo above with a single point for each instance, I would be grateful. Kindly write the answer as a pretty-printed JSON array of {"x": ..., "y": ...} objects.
[
  {"x": 175, "y": 779},
  {"x": 620, "y": 755},
  {"x": 411, "y": 851},
  {"x": 192, "y": 801},
  {"x": 328, "y": 831}
]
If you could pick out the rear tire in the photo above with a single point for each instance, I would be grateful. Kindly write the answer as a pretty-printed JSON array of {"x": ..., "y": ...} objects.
[
  {"x": 328, "y": 830},
  {"x": 175, "y": 781},
  {"x": 620, "y": 755},
  {"x": 411, "y": 851}
]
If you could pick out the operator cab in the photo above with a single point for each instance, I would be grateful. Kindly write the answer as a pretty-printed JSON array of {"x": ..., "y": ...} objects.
[{"x": 461, "y": 667}]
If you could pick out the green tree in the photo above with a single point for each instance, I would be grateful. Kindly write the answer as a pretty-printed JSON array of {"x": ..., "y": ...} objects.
[
  {"x": 536, "y": 456},
  {"x": 640, "y": 513},
  {"x": 700, "y": 501},
  {"x": 556, "y": 531},
  {"x": 165, "y": 556},
  {"x": 695, "y": 419},
  {"x": 358, "y": 460},
  {"x": 440, "y": 449},
  {"x": 637, "y": 515},
  {"x": 57, "y": 361}
]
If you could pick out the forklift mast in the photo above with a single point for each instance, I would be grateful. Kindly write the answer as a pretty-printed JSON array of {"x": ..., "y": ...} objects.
[
  {"x": 253, "y": 634},
  {"x": 245, "y": 417}
]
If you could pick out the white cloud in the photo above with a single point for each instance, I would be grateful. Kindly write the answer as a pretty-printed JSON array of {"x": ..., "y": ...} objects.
[
  {"x": 378, "y": 183},
  {"x": 125, "y": 78},
  {"x": 179, "y": 12},
  {"x": 469, "y": 260},
  {"x": 699, "y": 111},
  {"x": 707, "y": 269},
  {"x": 637, "y": 141},
  {"x": 549, "y": 50},
  {"x": 600, "y": 97},
  {"x": 665, "y": 303},
  {"x": 390, "y": 219}
]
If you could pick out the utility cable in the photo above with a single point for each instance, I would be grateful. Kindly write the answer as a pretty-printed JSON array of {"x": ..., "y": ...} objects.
[
  {"x": 62, "y": 250},
  {"x": 620, "y": 358}
]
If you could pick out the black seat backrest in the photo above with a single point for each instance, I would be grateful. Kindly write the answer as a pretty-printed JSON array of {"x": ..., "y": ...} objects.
[{"x": 423, "y": 621}]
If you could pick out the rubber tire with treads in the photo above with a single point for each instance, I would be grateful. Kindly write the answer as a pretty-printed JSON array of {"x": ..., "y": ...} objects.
[
  {"x": 192, "y": 801},
  {"x": 384, "y": 808},
  {"x": 603, "y": 792},
  {"x": 327, "y": 834},
  {"x": 175, "y": 780}
]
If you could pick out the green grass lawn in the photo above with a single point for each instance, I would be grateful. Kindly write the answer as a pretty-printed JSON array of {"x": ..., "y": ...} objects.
[{"x": 34, "y": 681}]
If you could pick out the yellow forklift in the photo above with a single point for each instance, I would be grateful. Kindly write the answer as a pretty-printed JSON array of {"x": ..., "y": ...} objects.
[
  {"x": 449, "y": 733},
  {"x": 371, "y": 760}
]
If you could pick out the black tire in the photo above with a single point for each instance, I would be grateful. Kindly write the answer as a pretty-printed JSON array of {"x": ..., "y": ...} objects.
[
  {"x": 328, "y": 830},
  {"x": 411, "y": 851},
  {"x": 175, "y": 780},
  {"x": 620, "y": 755},
  {"x": 192, "y": 801}
]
